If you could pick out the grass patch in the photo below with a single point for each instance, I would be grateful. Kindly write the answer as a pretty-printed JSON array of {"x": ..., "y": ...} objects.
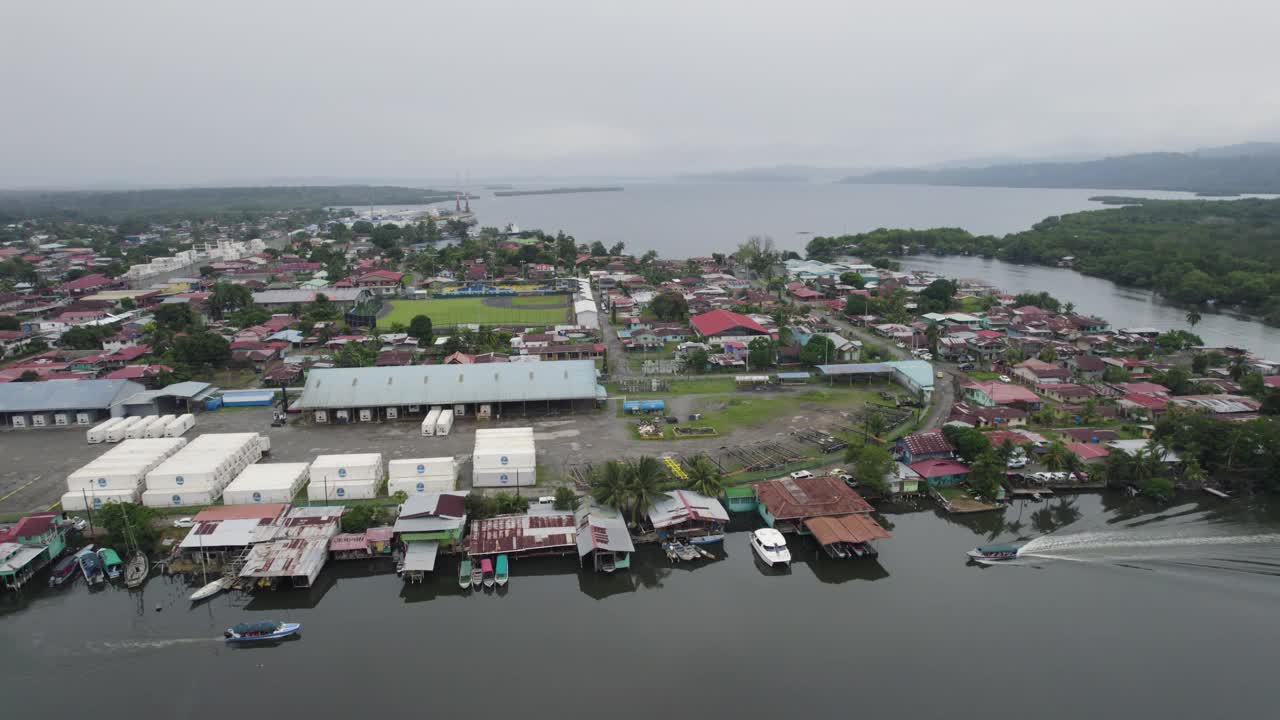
[
  {"x": 446, "y": 312},
  {"x": 756, "y": 409},
  {"x": 983, "y": 375},
  {"x": 953, "y": 493},
  {"x": 691, "y": 386}
]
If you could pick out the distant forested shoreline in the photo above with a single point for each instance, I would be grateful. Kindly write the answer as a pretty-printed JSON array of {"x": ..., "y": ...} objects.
[{"x": 1190, "y": 251}]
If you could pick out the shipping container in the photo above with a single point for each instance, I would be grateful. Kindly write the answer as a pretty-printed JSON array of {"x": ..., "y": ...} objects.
[
  {"x": 266, "y": 483},
  {"x": 98, "y": 433},
  {"x": 180, "y": 498},
  {"x": 139, "y": 429},
  {"x": 505, "y": 477},
  {"x": 180, "y": 425},
  {"x": 429, "y": 422},
  {"x": 422, "y": 486},
  {"x": 445, "y": 423},
  {"x": 207, "y": 463},
  {"x": 81, "y": 500},
  {"x": 332, "y": 491},
  {"x": 117, "y": 432},
  {"x": 355, "y": 467},
  {"x": 422, "y": 467},
  {"x": 158, "y": 428}
]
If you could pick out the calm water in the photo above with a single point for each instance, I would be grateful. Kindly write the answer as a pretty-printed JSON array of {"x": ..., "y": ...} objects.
[
  {"x": 1122, "y": 307},
  {"x": 1132, "y": 612},
  {"x": 684, "y": 219}
]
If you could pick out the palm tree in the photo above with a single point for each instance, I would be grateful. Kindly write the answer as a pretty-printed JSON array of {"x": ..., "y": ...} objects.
[
  {"x": 876, "y": 424},
  {"x": 1238, "y": 366},
  {"x": 643, "y": 486},
  {"x": 1069, "y": 309},
  {"x": 609, "y": 485},
  {"x": 704, "y": 477},
  {"x": 1119, "y": 469},
  {"x": 1193, "y": 317},
  {"x": 1147, "y": 463},
  {"x": 1057, "y": 457},
  {"x": 1192, "y": 473}
]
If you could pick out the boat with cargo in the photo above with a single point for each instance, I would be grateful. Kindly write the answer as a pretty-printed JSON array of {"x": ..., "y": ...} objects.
[
  {"x": 261, "y": 631},
  {"x": 90, "y": 566},
  {"x": 112, "y": 565},
  {"x": 993, "y": 553}
]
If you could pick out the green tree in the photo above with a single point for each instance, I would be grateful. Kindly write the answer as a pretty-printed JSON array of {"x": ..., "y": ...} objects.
[
  {"x": 760, "y": 353},
  {"x": 125, "y": 521},
  {"x": 1048, "y": 354},
  {"x": 226, "y": 298},
  {"x": 358, "y": 518},
  {"x": 420, "y": 328},
  {"x": 248, "y": 317},
  {"x": 1237, "y": 367},
  {"x": 1057, "y": 456},
  {"x": 697, "y": 360},
  {"x": 321, "y": 310},
  {"x": 175, "y": 317},
  {"x": 669, "y": 305},
  {"x": 820, "y": 350},
  {"x": 608, "y": 485},
  {"x": 970, "y": 443},
  {"x": 871, "y": 465},
  {"x": 704, "y": 477},
  {"x": 1193, "y": 317},
  {"x": 853, "y": 279},
  {"x": 201, "y": 348},
  {"x": 985, "y": 475},
  {"x": 565, "y": 498},
  {"x": 1200, "y": 364},
  {"x": 644, "y": 486}
]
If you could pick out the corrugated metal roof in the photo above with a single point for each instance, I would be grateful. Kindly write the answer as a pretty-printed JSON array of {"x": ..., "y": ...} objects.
[
  {"x": 679, "y": 506},
  {"x": 54, "y": 395},
  {"x": 854, "y": 368},
  {"x": 335, "y": 294},
  {"x": 421, "y": 556},
  {"x": 449, "y": 384},
  {"x": 601, "y": 528}
]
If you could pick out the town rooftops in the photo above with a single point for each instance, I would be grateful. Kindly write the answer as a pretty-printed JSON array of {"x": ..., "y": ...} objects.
[
  {"x": 681, "y": 506},
  {"x": 939, "y": 468},
  {"x": 522, "y": 533},
  {"x": 56, "y": 395},
  {"x": 845, "y": 528},
  {"x": 261, "y": 511},
  {"x": 281, "y": 297},
  {"x": 449, "y": 384},
  {"x": 601, "y": 528},
  {"x": 798, "y": 498},
  {"x": 34, "y": 525},
  {"x": 1003, "y": 393},
  {"x": 932, "y": 442},
  {"x": 726, "y": 322},
  {"x": 1088, "y": 451}
]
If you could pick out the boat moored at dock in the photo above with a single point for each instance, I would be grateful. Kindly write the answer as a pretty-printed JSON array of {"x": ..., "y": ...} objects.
[
  {"x": 486, "y": 572},
  {"x": 502, "y": 572},
  {"x": 464, "y": 573},
  {"x": 90, "y": 566},
  {"x": 64, "y": 571},
  {"x": 112, "y": 565},
  {"x": 771, "y": 547}
]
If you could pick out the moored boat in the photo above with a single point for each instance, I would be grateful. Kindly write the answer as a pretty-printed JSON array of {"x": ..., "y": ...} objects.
[
  {"x": 213, "y": 588},
  {"x": 771, "y": 547},
  {"x": 261, "y": 631},
  {"x": 89, "y": 566},
  {"x": 477, "y": 576},
  {"x": 464, "y": 573},
  {"x": 63, "y": 571},
  {"x": 502, "y": 573},
  {"x": 486, "y": 572},
  {"x": 709, "y": 539},
  {"x": 135, "y": 573},
  {"x": 112, "y": 565},
  {"x": 993, "y": 553}
]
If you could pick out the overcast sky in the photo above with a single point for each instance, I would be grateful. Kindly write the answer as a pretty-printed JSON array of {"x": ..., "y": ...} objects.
[{"x": 177, "y": 92}]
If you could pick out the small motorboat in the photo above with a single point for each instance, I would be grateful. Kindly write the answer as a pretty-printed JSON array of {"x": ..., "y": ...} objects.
[
  {"x": 261, "y": 631},
  {"x": 477, "y": 576},
  {"x": 64, "y": 571},
  {"x": 993, "y": 553},
  {"x": 486, "y": 570},
  {"x": 135, "y": 573},
  {"x": 771, "y": 547},
  {"x": 213, "y": 588},
  {"x": 90, "y": 566},
  {"x": 710, "y": 539},
  {"x": 502, "y": 573},
  {"x": 112, "y": 565},
  {"x": 464, "y": 573}
]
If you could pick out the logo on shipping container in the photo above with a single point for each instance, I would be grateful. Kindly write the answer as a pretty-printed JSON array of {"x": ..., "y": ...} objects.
[
  {"x": 503, "y": 460},
  {"x": 257, "y": 497},
  {"x": 422, "y": 469},
  {"x": 422, "y": 486},
  {"x": 502, "y": 478},
  {"x": 102, "y": 482},
  {"x": 342, "y": 472},
  {"x": 97, "y": 502},
  {"x": 341, "y": 492},
  {"x": 177, "y": 499},
  {"x": 179, "y": 480}
]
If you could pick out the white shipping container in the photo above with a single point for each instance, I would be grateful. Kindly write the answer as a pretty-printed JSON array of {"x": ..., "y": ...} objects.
[
  {"x": 74, "y": 501},
  {"x": 139, "y": 429},
  {"x": 508, "y": 458},
  {"x": 354, "y": 467},
  {"x": 329, "y": 491},
  {"x": 180, "y": 425},
  {"x": 117, "y": 432},
  {"x": 506, "y": 477},
  {"x": 422, "y": 485},
  {"x": 157, "y": 428},
  {"x": 422, "y": 467},
  {"x": 429, "y": 422},
  {"x": 445, "y": 423},
  {"x": 266, "y": 482},
  {"x": 180, "y": 498},
  {"x": 98, "y": 433}
]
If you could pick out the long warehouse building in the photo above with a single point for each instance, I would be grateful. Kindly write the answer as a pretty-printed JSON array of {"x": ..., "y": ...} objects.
[{"x": 374, "y": 394}]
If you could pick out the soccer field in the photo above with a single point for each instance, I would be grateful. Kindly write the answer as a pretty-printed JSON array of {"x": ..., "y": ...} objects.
[{"x": 540, "y": 310}]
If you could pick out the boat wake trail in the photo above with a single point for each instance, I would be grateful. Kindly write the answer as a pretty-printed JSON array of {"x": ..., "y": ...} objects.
[
  {"x": 1109, "y": 541},
  {"x": 133, "y": 645}
]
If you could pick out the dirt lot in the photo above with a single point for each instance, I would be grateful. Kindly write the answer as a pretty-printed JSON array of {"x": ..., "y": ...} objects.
[{"x": 38, "y": 461}]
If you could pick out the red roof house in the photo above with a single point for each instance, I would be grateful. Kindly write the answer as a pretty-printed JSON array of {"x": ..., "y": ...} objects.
[{"x": 724, "y": 323}]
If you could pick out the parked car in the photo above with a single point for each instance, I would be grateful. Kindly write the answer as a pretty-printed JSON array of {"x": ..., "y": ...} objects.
[
  {"x": 801, "y": 475},
  {"x": 1017, "y": 461},
  {"x": 965, "y": 366},
  {"x": 1005, "y": 378},
  {"x": 941, "y": 375},
  {"x": 184, "y": 522}
]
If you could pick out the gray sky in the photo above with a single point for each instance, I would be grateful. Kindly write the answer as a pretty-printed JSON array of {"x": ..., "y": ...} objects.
[{"x": 162, "y": 91}]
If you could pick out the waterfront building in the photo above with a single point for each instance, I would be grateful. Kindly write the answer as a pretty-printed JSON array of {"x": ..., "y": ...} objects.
[
  {"x": 786, "y": 503},
  {"x": 941, "y": 472},
  {"x": 684, "y": 513},
  {"x": 29, "y": 545},
  {"x": 294, "y": 550},
  {"x": 426, "y": 523},
  {"x": 603, "y": 536},
  {"x": 541, "y": 531}
]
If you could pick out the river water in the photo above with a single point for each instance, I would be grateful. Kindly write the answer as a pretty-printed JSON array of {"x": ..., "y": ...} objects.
[
  {"x": 1103, "y": 623},
  {"x": 1122, "y": 307}
]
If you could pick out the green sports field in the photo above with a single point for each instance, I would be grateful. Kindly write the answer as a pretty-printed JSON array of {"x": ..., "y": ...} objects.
[{"x": 528, "y": 310}]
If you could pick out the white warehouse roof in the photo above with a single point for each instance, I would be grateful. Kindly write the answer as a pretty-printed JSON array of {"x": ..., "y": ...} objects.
[{"x": 449, "y": 384}]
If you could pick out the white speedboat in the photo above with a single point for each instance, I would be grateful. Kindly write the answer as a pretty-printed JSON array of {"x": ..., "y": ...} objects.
[
  {"x": 213, "y": 588},
  {"x": 770, "y": 547}
]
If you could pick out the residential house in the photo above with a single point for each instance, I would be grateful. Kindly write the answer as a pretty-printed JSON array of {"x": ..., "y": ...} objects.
[
  {"x": 941, "y": 472},
  {"x": 1039, "y": 372},
  {"x": 991, "y": 393},
  {"x": 930, "y": 445}
]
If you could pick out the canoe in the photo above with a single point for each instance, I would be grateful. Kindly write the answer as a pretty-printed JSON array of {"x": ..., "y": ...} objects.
[
  {"x": 486, "y": 572},
  {"x": 213, "y": 588},
  {"x": 502, "y": 573},
  {"x": 464, "y": 573},
  {"x": 259, "y": 632}
]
